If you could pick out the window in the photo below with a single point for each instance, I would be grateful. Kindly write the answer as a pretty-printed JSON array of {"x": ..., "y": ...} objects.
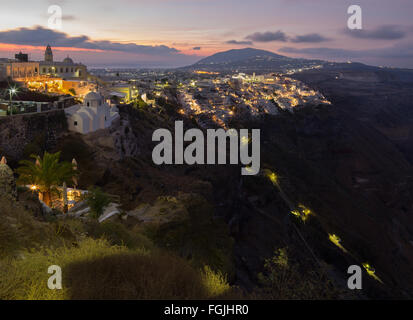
[
  {"x": 87, "y": 104},
  {"x": 44, "y": 70},
  {"x": 75, "y": 123},
  {"x": 61, "y": 70},
  {"x": 71, "y": 70}
]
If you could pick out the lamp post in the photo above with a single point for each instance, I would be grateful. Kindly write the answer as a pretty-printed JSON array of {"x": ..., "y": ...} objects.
[{"x": 12, "y": 92}]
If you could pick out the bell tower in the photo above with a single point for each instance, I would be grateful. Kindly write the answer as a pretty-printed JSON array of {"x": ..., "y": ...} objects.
[{"x": 48, "y": 54}]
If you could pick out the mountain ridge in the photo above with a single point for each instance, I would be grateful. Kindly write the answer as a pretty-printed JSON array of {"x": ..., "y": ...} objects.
[
  {"x": 238, "y": 55},
  {"x": 251, "y": 60}
]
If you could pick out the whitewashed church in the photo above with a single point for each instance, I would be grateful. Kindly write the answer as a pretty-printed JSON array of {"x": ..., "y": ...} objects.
[{"x": 93, "y": 115}]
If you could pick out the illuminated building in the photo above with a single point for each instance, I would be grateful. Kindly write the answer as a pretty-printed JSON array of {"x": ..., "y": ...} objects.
[
  {"x": 24, "y": 70},
  {"x": 93, "y": 115},
  {"x": 65, "y": 69}
]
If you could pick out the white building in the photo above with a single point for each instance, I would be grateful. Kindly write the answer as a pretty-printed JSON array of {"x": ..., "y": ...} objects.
[
  {"x": 20, "y": 70},
  {"x": 93, "y": 115}
]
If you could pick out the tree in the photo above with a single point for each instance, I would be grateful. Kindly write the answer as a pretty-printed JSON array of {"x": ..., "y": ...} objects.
[
  {"x": 97, "y": 200},
  {"x": 46, "y": 174}
]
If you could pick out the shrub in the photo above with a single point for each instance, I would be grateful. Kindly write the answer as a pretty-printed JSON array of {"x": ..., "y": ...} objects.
[
  {"x": 117, "y": 234},
  {"x": 199, "y": 237},
  {"x": 283, "y": 279},
  {"x": 97, "y": 200},
  {"x": 94, "y": 269},
  {"x": 19, "y": 229},
  {"x": 135, "y": 276},
  {"x": 215, "y": 282},
  {"x": 26, "y": 278}
]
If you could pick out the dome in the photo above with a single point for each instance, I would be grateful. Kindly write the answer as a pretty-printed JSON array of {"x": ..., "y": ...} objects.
[
  {"x": 93, "y": 96},
  {"x": 92, "y": 99},
  {"x": 68, "y": 61}
]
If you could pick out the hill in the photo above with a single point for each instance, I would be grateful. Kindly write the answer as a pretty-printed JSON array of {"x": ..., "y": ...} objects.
[
  {"x": 249, "y": 59},
  {"x": 236, "y": 55}
]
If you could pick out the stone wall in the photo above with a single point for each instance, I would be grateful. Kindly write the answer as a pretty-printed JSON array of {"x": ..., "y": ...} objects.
[{"x": 39, "y": 130}]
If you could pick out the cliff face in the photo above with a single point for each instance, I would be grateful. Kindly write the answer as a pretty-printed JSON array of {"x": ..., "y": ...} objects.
[{"x": 18, "y": 132}]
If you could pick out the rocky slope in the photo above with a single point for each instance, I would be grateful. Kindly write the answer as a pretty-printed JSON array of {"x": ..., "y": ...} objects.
[{"x": 349, "y": 163}]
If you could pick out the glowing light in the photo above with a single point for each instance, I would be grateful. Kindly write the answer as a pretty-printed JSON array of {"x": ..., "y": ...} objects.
[
  {"x": 205, "y": 72},
  {"x": 33, "y": 187},
  {"x": 371, "y": 272},
  {"x": 296, "y": 213},
  {"x": 245, "y": 140},
  {"x": 302, "y": 212},
  {"x": 273, "y": 177},
  {"x": 249, "y": 169},
  {"x": 305, "y": 212},
  {"x": 337, "y": 241}
]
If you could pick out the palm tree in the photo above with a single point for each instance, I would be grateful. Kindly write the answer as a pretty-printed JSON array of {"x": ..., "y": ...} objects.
[{"x": 46, "y": 173}]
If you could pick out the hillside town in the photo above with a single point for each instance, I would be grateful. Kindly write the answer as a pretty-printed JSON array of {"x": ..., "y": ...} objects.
[
  {"x": 220, "y": 98},
  {"x": 209, "y": 97}
]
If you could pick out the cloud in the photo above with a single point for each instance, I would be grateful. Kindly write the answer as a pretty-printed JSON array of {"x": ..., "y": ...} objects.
[
  {"x": 68, "y": 17},
  {"x": 268, "y": 36},
  {"x": 39, "y": 36},
  {"x": 386, "y": 32},
  {"x": 283, "y": 37},
  {"x": 399, "y": 51},
  {"x": 196, "y": 48},
  {"x": 309, "y": 38},
  {"x": 239, "y": 43}
]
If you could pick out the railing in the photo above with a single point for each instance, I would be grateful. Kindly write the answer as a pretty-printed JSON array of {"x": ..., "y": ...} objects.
[
  {"x": 32, "y": 107},
  {"x": 115, "y": 198}
]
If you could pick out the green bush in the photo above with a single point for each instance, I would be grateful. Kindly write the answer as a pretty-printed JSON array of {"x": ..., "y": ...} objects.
[
  {"x": 198, "y": 237},
  {"x": 20, "y": 230},
  {"x": 117, "y": 234},
  {"x": 283, "y": 279},
  {"x": 215, "y": 282},
  {"x": 97, "y": 200}
]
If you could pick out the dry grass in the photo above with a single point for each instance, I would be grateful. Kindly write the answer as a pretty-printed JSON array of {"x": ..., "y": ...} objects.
[
  {"x": 96, "y": 270},
  {"x": 18, "y": 229},
  {"x": 134, "y": 276},
  {"x": 25, "y": 278},
  {"x": 118, "y": 264}
]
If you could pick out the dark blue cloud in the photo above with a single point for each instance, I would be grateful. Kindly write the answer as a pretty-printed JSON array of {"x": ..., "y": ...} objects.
[
  {"x": 268, "y": 36},
  {"x": 239, "y": 43},
  {"x": 399, "y": 51},
  {"x": 283, "y": 37},
  {"x": 386, "y": 32},
  {"x": 309, "y": 38}
]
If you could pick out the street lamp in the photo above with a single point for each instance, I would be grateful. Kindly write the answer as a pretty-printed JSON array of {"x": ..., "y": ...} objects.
[{"x": 12, "y": 92}]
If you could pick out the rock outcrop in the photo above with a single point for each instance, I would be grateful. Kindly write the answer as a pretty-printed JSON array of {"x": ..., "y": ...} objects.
[
  {"x": 16, "y": 132},
  {"x": 7, "y": 181}
]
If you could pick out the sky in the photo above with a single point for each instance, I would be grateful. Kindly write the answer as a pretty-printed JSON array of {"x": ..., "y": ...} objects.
[{"x": 171, "y": 33}]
